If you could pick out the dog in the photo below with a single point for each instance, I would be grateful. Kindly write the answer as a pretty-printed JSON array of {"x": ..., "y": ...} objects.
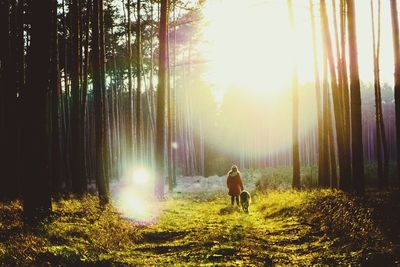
[{"x": 245, "y": 200}]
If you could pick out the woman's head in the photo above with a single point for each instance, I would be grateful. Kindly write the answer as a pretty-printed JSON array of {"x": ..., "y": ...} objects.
[{"x": 234, "y": 168}]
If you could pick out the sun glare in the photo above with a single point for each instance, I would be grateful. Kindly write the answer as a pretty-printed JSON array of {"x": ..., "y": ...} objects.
[
  {"x": 247, "y": 44},
  {"x": 140, "y": 177},
  {"x": 134, "y": 196},
  {"x": 248, "y": 47}
]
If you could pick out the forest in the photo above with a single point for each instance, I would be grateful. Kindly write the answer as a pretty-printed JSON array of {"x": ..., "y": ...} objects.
[{"x": 122, "y": 123}]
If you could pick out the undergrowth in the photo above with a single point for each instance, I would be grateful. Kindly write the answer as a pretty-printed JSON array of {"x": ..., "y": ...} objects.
[{"x": 318, "y": 227}]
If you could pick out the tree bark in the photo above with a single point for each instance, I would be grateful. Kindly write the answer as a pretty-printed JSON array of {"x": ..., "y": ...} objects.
[
  {"x": 344, "y": 159},
  {"x": 35, "y": 175},
  {"x": 78, "y": 181},
  {"x": 355, "y": 105},
  {"x": 396, "y": 52},
  {"x": 98, "y": 103},
  {"x": 322, "y": 170},
  {"x": 8, "y": 100},
  {"x": 161, "y": 90},
  {"x": 138, "y": 84},
  {"x": 55, "y": 105},
  {"x": 295, "y": 112},
  {"x": 129, "y": 131}
]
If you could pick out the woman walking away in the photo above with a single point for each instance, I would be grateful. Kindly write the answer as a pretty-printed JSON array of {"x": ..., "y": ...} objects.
[{"x": 234, "y": 184}]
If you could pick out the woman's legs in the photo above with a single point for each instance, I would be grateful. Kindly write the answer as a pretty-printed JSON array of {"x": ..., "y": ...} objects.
[{"x": 233, "y": 200}]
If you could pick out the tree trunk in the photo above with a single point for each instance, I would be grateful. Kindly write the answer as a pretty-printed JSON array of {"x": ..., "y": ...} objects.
[
  {"x": 35, "y": 176},
  {"x": 396, "y": 52},
  {"x": 345, "y": 183},
  {"x": 173, "y": 112},
  {"x": 295, "y": 113},
  {"x": 98, "y": 103},
  {"x": 138, "y": 84},
  {"x": 77, "y": 180},
  {"x": 55, "y": 106},
  {"x": 322, "y": 171},
  {"x": 83, "y": 100},
  {"x": 378, "y": 101},
  {"x": 129, "y": 129},
  {"x": 161, "y": 90},
  {"x": 356, "y": 118},
  {"x": 344, "y": 159},
  {"x": 105, "y": 116},
  {"x": 326, "y": 167},
  {"x": 8, "y": 100}
]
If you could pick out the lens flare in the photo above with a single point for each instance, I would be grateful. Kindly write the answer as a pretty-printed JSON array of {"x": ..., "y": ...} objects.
[
  {"x": 134, "y": 197},
  {"x": 140, "y": 177},
  {"x": 174, "y": 145}
]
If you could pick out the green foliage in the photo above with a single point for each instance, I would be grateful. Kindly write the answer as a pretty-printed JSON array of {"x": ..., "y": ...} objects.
[
  {"x": 79, "y": 231},
  {"x": 218, "y": 166},
  {"x": 332, "y": 223},
  {"x": 371, "y": 173},
  {"x": 319, "y": 227},
  {"x": 89, "y": 229},
  {"x": 342, "y": 215},
  {"x": 281, "y": 178}
]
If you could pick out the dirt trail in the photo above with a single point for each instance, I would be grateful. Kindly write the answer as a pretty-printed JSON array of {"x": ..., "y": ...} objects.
[{"x": 205, "y": 230}]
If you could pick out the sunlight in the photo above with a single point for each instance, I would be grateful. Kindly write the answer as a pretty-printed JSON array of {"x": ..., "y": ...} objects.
[
  {"x": 245, "y": 48},
  {"x": 140, "y": 177},
  {"x": 248, "y": 47},
  {"x": 134, "y": 196},
  {"x": 139, "y": 207}
]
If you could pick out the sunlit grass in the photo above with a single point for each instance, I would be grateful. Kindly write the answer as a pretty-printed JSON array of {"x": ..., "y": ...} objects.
[
  {"x": 283, "y": 227},
  {"x": 133, "y": 196}
]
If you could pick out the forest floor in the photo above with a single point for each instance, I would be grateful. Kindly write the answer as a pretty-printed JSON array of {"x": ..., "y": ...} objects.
[{"x": 320, "y": 227}]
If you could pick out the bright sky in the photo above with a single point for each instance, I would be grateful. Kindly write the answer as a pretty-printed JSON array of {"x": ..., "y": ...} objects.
[
  {"x": 248, "y": 44},
  {"x": 248, "y": 41}
]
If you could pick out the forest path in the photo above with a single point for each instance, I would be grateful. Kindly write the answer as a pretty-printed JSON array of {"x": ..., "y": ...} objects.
[
  {"x": 298, "y": 228},
  {"x": 204, "y": 229}
]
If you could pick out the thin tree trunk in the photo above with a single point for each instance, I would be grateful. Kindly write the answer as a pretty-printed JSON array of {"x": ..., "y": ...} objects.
[
  {"x": 356, "y": 117},
  {"x": 105, "y": 107},
  {"x": 344, "y": 160},
  {"x": 55, "y": 114},
  {"x": 129, "y": 135},
  {"x": 162, "y": 85},
  {"x": 66, "y": 143},
  {"x": 138, "y": 83},
  {"x": 83, "y": 100},
  {"x": 327, "y": 126},
  {"x": 345, "y": 183},
  {"x": 173, "y": 115},
  {"x": 322, "y": 171},
  {"x": 295, "y": 112},
  {"x": 169, "y": 120},
  {"x": 98, "y": 103},
  {"x": 333, "y": 181},
  {"x": 76, "y": 151},
  {"x": 378, "y": 101},
  {"x": 396, "y": 52}
]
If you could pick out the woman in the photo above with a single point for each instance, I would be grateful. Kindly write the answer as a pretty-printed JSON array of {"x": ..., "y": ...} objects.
[{"x": 234, "y": 184}]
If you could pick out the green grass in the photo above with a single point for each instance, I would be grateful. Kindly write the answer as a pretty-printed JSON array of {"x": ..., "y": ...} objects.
[{"x": 284, "y": 227}]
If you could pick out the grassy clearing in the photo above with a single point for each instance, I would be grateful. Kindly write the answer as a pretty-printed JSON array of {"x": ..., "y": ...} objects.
[{"x": 300, "y": 228}]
